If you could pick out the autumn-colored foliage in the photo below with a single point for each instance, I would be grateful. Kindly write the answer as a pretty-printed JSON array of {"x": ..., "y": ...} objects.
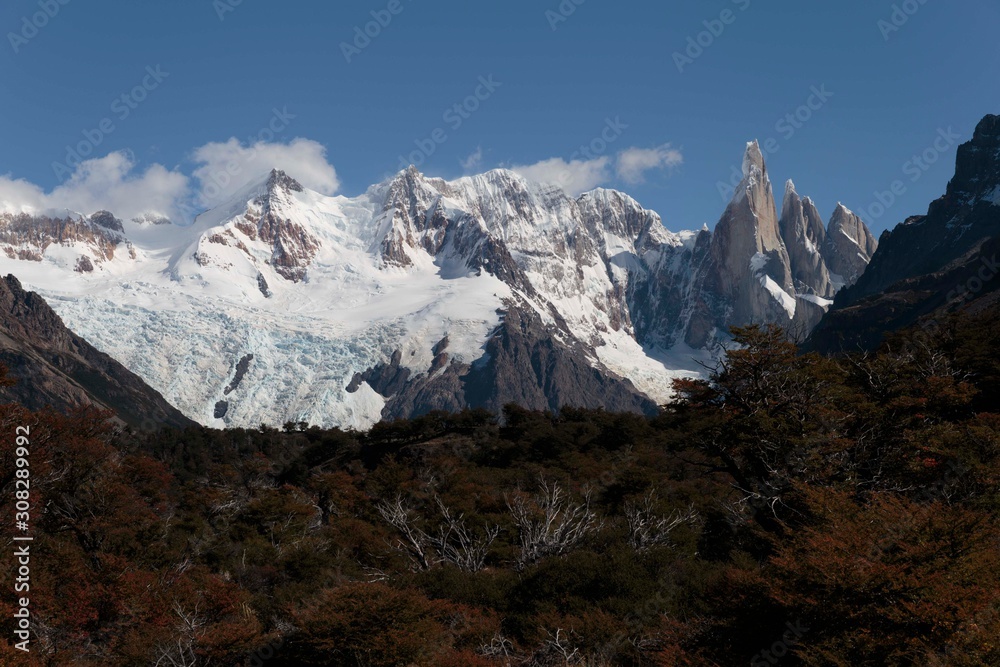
[{"x": 788, "y": 509}]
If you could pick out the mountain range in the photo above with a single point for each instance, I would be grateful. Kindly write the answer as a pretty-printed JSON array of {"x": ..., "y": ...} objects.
[{"x": 283, "y": 304}]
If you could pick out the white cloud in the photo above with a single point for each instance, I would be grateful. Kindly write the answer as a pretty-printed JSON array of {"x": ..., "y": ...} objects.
[
  {"x": 115, "y": 183},
  {"x": 111, "y": 182},
  {"x": 578, "y": 176},
  {"x": 474, "y": 161},
  {"x": 633, "y": 163},
  {"x": 20, "y": 196},
  {"x": 575, "y": 177},
  {"x": 226, "y": 167}
]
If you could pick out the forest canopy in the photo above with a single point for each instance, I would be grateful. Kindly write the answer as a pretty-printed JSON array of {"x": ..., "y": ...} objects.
[{"x": 789, "y": 508}]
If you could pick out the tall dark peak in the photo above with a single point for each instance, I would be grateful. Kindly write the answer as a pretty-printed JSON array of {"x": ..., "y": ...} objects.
[
  {"x": 924, "y": 262},
  {"x": 978, "y": 161},
  {"x": 955, "y": 224},
  {"x": 55, "y": 367},
  {"x": 747, "y": 277},
  {"x": 988, "y": 129}
]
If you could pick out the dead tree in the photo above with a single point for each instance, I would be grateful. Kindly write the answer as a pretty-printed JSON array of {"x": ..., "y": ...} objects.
[
  {"x": 453, "y": 543},
  {"x": 647, "y": 529},
  {"x": 411, "y": 541},
  {"x": 549, "y": 525},
  {"x": 457, "y": 544},
  {"x": 181, "y": 651}
]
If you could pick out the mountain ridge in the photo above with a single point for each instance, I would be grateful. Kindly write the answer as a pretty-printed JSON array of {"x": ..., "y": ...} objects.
[
  {"x": 53, "y": 367},
  {"x": 326, "y": 295},
  {"x": 930, "y": 264}
]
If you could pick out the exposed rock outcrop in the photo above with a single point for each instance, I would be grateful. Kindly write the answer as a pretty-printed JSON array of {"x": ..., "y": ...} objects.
[
  {"x": 848, "y": 248},
  {"x": 930, "y": 264},
  {"x": 524, "y": 363},
  {"x": 27, "y": 237},
  {"x": 264, "y": 221},
  {"x": 55, "y": 367},
  {"x": 804, "y": 234}
]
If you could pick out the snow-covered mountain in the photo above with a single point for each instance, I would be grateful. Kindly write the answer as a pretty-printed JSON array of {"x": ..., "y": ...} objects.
[{"x": 284, "y": 304}]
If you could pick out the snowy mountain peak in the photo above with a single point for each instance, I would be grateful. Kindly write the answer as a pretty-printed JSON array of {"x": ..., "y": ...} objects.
[
  {"x": 612, "y": 198},
  {"x": 791, "y": 197},
  {"x": 419, "y": 294},
  {"x": 753, "y": 160},
  {"x": 279, "y": 180},
  {"x": 264, "y": 228}
]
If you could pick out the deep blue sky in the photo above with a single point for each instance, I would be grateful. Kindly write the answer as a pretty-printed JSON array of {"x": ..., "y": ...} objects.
[{"x": 608, "y": 59}]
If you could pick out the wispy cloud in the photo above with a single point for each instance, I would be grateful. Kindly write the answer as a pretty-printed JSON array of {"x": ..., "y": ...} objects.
[
  {"x": 112, "y": 182},
  {"x": 633, "y": 163},
  {"x": 575, "y": 176},
  {"x": 116, "y": 183},
  {"x": 473, "y": 162},
  {"x": 225, "y": 167},
  {"x": 630, "y": 166}
]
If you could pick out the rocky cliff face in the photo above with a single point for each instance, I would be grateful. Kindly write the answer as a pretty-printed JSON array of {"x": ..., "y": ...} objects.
[
  {"x": 55, "y": 367},
  {"x": 849, "y": 247},
  {"x": 762, "y": 268},
  {"x": 96, "y": 239},
  {"x": 955, "y": 223},
  {"x": 929, "y": 264},
  {"x": 804, "y": 234}
]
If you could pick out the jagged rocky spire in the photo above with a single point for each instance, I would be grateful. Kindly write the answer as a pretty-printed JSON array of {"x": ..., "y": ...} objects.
[
  {"x": 804, "y": 234},
  {"x": 849, "y": 247}
]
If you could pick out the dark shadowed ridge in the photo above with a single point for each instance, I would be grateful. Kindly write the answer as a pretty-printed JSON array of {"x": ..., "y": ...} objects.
[
  {"x": 931, "y": 264},
  {"x": 55, "y": 367}
]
